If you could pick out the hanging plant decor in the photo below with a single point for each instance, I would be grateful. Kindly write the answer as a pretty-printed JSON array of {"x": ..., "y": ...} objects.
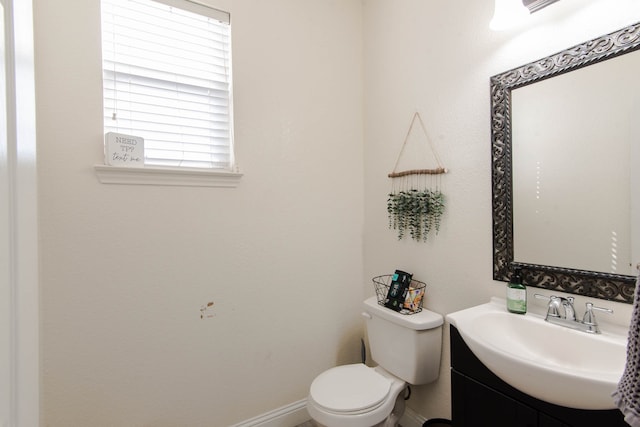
[
  {"x": 411, "y": 209},
  {"x": 415, "y": 211}
]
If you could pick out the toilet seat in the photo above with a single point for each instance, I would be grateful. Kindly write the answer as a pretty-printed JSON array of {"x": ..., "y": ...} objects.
[
  {"x": 354, "y": 396},
  {"x": 350, "y": 389}
]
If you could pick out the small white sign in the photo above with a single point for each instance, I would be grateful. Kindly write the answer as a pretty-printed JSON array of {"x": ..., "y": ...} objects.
[{"x": 123, "y": 150}]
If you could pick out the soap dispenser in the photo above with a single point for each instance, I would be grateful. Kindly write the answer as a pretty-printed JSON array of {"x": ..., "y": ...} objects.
[{"x": 516, "y": 293}]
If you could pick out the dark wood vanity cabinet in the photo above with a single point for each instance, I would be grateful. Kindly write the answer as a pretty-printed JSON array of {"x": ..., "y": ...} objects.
[{"x": 481, "y": 399}]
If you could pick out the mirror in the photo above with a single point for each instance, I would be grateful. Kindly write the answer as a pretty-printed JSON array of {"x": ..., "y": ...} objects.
[
  {"x": 561, "y": 144},
  {"x": 580, "y": 118}
]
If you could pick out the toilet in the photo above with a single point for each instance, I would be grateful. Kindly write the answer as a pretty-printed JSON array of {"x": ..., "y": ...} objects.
[{"x": 407, "y": 350}]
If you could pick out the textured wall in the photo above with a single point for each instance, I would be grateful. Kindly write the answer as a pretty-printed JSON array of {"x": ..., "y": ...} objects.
[
  {"x": 125, "y": 268},
  {"x": 436, "y": 57}
]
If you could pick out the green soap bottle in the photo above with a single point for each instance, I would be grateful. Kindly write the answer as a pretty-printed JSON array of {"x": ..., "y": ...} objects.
[{"x": 516, "y": 293}]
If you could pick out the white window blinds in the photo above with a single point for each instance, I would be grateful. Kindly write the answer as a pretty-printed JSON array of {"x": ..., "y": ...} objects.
[{"x": 167, "y": 79}]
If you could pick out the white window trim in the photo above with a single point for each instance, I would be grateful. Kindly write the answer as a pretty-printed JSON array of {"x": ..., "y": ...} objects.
[{"x": 150, "y": 175}]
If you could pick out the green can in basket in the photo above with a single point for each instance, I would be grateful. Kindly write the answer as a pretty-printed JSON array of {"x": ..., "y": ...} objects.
[{"x": 415, "y": 294}]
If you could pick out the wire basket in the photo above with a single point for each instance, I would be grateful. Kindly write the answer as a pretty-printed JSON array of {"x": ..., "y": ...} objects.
[{"x": 415, "y": 294}]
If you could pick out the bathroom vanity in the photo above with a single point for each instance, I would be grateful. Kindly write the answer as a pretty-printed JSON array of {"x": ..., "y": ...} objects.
[{"x": 480, "y": 398}]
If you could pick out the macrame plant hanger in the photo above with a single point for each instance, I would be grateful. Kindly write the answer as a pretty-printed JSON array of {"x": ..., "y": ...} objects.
[{"x": 416, "y": 203}]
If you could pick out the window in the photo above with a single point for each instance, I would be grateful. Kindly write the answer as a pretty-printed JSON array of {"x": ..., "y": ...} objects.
[{"x": 167, "y": 79}]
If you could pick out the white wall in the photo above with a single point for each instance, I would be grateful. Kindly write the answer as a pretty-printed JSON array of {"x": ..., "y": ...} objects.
[
  {"x": 125, "y": 269},
  {"x": 436, "y": 57}
]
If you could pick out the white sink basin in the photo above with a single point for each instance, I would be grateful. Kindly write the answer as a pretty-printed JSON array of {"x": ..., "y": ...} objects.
[{"x": 550, "y": 362}]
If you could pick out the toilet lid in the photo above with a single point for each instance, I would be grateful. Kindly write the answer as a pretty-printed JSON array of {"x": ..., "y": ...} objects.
[{"x": 350, "y": 388}]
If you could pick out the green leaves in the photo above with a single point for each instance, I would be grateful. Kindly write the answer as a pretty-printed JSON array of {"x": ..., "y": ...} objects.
[{"x": 419, "y": 212}]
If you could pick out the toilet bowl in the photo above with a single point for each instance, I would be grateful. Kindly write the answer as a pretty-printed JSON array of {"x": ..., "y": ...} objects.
[{"x": 356, "y": 396}]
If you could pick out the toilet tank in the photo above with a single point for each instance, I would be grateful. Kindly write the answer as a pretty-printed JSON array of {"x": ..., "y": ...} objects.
[{"x": 408, "y": 346}]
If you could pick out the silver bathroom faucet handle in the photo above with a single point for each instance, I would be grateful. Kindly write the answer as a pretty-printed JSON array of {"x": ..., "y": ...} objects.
[
  {"x": 553, "y": 309},
  {"x": 590, "y": 318}
]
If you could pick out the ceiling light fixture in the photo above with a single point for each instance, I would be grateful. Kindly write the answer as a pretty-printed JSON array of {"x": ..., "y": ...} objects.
[
  {"x": 507, "y": 14},
  {"x": 536, "y": 5}
]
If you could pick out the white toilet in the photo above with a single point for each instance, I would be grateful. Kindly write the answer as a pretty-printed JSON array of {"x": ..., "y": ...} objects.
[{"x": 407, "y": 349}]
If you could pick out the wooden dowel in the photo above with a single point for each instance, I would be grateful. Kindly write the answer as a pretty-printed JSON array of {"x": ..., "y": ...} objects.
[{"x": 436, "y": 171}]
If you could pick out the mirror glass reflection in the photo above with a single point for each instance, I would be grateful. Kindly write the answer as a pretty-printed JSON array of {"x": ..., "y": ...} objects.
[{"x": 576, "y": 190}]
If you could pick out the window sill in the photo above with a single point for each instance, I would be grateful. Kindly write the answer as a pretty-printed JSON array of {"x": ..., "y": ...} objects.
[{"x": 166, "y": 176}]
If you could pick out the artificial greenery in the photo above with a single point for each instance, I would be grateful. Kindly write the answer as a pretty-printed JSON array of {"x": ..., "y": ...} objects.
[{"x": 419, "y": 212}]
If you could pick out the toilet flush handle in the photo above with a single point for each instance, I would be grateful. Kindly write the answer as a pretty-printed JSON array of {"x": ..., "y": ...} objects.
[{"x": 367, "y": 315}]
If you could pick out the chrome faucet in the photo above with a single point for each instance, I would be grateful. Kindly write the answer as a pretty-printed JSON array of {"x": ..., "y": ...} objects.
[
  {"x": 560, "y": 311},
  {"x": 569, "y": 311}
]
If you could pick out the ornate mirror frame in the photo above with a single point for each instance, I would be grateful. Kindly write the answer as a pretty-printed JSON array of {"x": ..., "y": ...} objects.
[{"x": 614, "y": 287}]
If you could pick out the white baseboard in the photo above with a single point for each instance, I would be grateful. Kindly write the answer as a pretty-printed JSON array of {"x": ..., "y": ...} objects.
[
  {"x": 411, "y": 418},
  {"x": 287, "y": 416},
  {"x": 296, "y": 413}
]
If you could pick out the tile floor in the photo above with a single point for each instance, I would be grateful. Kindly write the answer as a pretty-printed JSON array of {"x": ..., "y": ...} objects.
[{"x": 310, "y": 424}]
